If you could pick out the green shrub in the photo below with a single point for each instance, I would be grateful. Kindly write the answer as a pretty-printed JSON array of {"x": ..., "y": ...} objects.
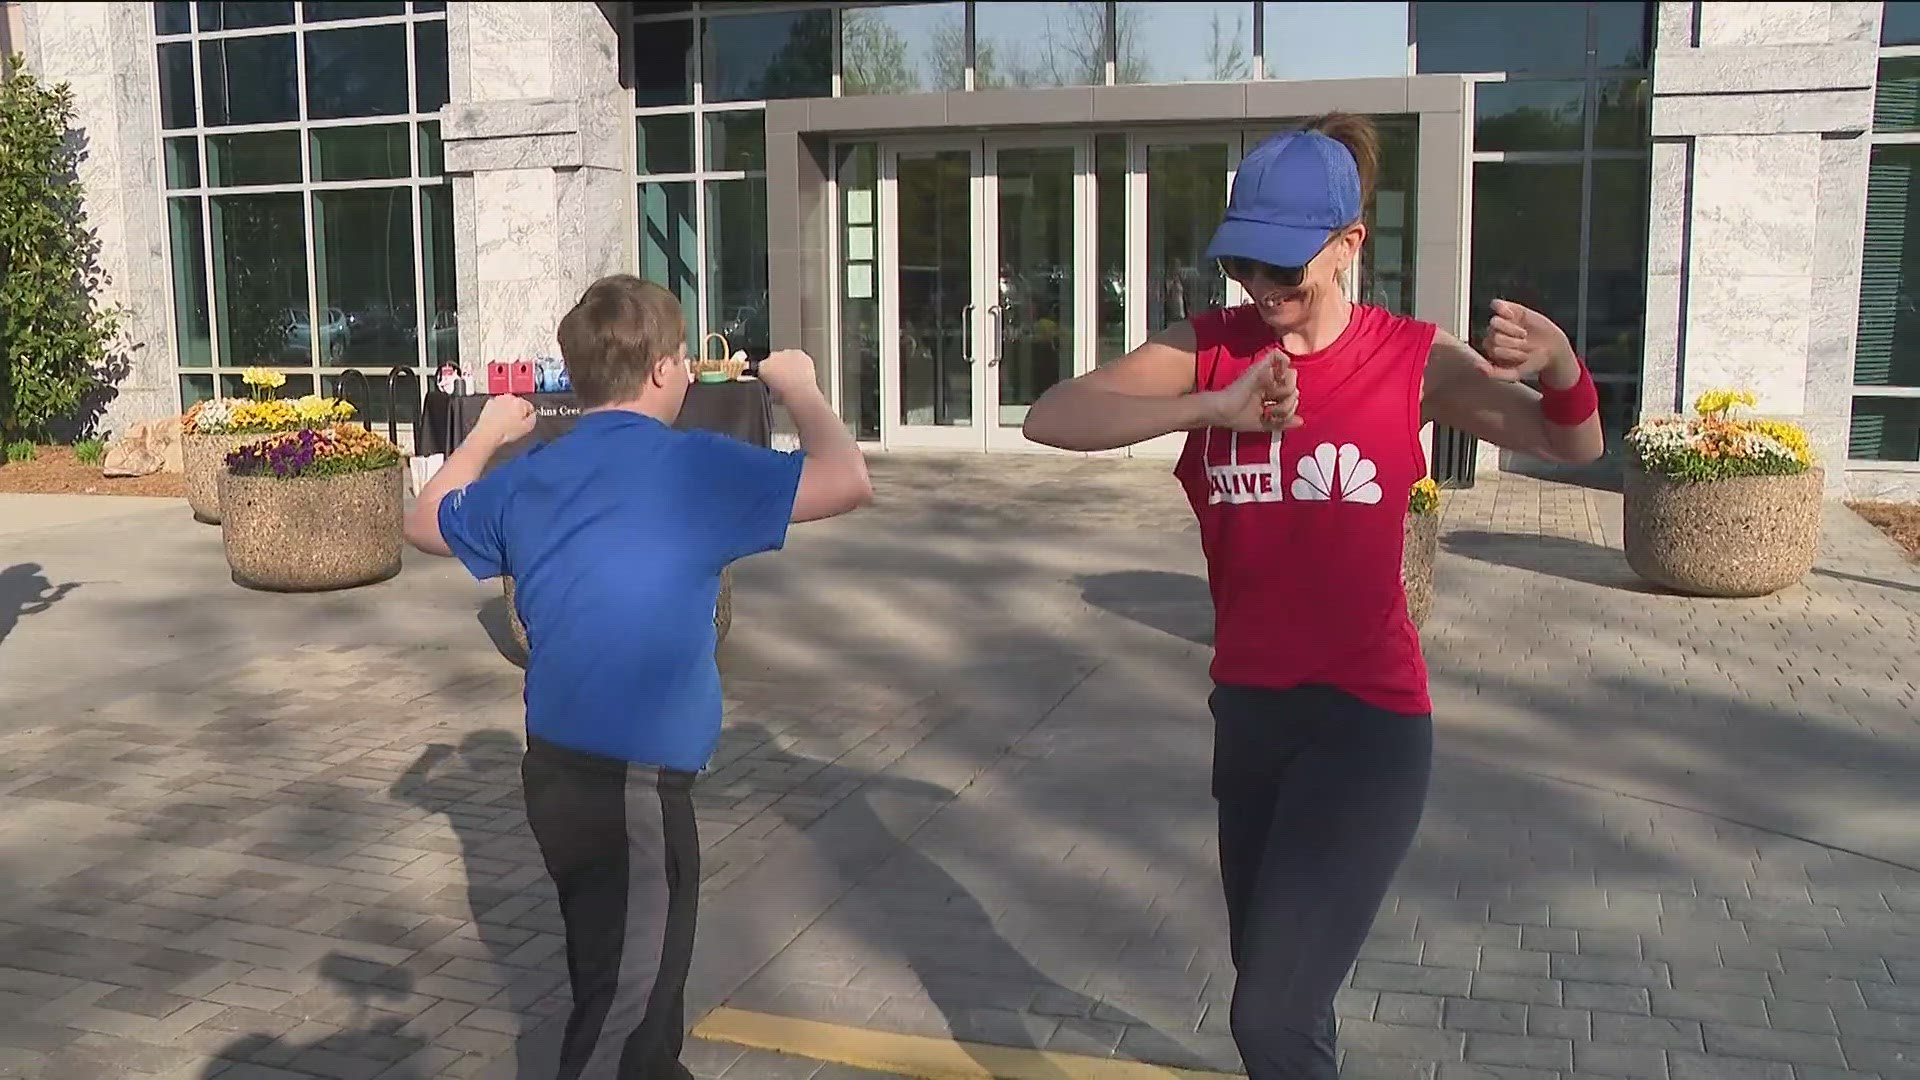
[
  {"x": 54, "y": 340},
  {"x": 20, "y": 450},
  {"x": 90, "y": 451}
]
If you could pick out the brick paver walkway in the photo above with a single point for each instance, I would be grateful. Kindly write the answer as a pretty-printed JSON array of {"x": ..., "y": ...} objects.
[{"x": 963, "y": 790}]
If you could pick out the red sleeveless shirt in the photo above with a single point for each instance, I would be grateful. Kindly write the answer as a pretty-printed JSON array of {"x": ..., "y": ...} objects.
[{"x": 1303, "y": 533}]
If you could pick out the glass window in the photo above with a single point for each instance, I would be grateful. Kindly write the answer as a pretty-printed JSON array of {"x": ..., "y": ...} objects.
[
  {"x": 234, "y": 385},
  {"x": 350, "y": 9},
  {"x": 1900, "y": 22},
  {"x": 1386, "y": 263},
  {"x": 1623, "y": 113},
  {"x": 254, "y": 157},
  {"x": 1887, "y": 346},
  {"x": 859, "y": 184},
  {"x": 1896, "y": 100},
  {"x": 358, "y": 71},
  {"x": 424, "y": 6},
  {"x": 443, "y": 298},
  {"x": 195, "y": 389},
  {"x": 663, "y": 63},
  {"x": 1885, "y": 429},
  {"x": 430, "y": 66},
  {"x": 186, "y": 243},
  {"x": 786, "y": 54},
  {"x": 737, "y": 140},
  {"x": 1186, "y": 195},
  {"x": 1371, "y": 37},
  {"x": 363, "y": 253},
  {"x": 903, "y": 49},
  {"x": 666, "y": 144},
  {"x": 172, "y": 18},
  {"x": 1622, "y": 34},
  {"x": 737, "y": 263},
  {"x": 1169, "y": 42},
  {"x": 260, "y": 281},
  {"x": 670, "y": 245},
  {"x": 1617, "y": 267},
  {"x": 372, "y": 399},
  {"x": 361, "y": 153},
  {"x": 176, "y": 85},
  {"x": 1529, "y": 116},
  {"x": 240, "y": 16},
  {"x": 183, "y": 162},
  {"x": 432, "y": 156},
  {"x": 1526, "y": 240},
  {"x": 249, "y": 80},
  {"x": 1462, "y": 37},
  {"x": 1039, "y": 44},
  {"x": 1110, "y": 245}
]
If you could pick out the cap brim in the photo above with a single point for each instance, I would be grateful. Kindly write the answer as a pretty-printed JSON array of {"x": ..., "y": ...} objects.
[{"x": 1275, "y": 245}]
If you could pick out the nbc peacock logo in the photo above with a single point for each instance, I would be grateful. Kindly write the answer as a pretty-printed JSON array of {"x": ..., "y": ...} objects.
[{"x": 1337, "y": 473}]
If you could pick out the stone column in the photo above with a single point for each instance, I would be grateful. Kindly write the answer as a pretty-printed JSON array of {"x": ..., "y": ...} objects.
[
  {"x": 536, "y": 144},
  {"x": 105, "y": 52},
  {"x": 1760, "y": 115}
]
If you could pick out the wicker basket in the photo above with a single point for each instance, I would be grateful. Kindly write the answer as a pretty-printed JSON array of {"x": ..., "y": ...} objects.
[{"x": 722, "y": 612}]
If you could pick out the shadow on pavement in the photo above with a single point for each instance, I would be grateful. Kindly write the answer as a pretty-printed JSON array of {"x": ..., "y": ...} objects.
[
  {"x": 371, "y": 1035},
  {"x": 25, "y": 590},
  {"x": 1177, "y": 604},
  {"x": 1552, "y": 556},
  {"x": 1861, "y": 579}
]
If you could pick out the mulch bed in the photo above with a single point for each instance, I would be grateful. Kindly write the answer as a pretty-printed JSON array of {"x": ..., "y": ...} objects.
[
  {"x": 55, "y": 471},
  {"x": 1898, "y": 520}
]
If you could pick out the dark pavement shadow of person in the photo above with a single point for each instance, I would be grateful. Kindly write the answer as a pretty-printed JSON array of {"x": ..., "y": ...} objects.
[
  {"x": 476, "y": 786},
  {"x": 934, "y": 926},
  {"x": 1176, "y": 604},
  {"x": 25, "y": 590},
  {"x": 371, "y": 1035}
]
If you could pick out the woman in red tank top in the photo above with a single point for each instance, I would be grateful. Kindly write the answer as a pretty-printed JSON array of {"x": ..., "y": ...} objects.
[{"x": 1303, "y": 413}]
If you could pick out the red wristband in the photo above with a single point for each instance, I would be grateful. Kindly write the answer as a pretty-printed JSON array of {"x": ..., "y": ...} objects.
[{"x": 1573, "y": 405}]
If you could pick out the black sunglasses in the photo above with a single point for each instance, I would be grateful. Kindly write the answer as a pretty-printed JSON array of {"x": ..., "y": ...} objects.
[{"x": 1243, "y": 269}]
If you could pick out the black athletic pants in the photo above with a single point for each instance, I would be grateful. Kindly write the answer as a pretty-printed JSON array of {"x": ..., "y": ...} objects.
[
  {"x": 1320, "y": 795},
  {"x": 620, "y": 843}
]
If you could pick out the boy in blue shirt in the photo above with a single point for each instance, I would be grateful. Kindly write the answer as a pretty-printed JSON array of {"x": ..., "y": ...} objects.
[{"x": 615, "y": 535}]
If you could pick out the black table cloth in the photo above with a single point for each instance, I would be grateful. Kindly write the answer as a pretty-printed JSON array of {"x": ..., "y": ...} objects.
[{"x": 742, "y": 410}]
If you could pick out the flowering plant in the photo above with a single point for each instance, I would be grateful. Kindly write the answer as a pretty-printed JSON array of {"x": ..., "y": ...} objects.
[
  {"x": 228, "y": 416},
  {"x": 1717, "y": 443},
  {"x": 263, "y": 380},
  {"x": 1425, "y": 497},
  {"x": 331, "y": 451}
]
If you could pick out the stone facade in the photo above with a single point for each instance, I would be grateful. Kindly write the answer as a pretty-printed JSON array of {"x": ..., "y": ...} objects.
[
  {"x": 1760, "y": 118},
  {"x": 536, "y": 144},
  {"x": 105, "y": 52}
]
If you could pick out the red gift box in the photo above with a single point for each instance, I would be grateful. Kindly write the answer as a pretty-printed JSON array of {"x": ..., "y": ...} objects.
[
  {"x": 521, "y": 377},
  {"x": 499, "y": 380}
]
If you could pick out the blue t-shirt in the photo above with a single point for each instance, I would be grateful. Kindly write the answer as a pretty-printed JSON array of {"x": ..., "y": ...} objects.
[{"x": 615, "y": 535}]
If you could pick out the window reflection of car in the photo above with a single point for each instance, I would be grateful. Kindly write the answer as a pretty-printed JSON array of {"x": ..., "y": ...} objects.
[
  {"x": 443, "y": 338},
  {"x": 334, "y": 334}
]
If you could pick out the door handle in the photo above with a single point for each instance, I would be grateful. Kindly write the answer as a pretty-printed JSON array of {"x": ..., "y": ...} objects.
[
  {"x": 966, "y": 332},
  {"x": 993, "y": 358}
]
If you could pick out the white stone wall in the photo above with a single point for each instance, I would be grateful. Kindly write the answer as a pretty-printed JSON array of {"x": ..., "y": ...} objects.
[
  {"x": 1760, "y": 115},
  {"x": 105, "y": 52},
  {"x": 536, "y": 145}
]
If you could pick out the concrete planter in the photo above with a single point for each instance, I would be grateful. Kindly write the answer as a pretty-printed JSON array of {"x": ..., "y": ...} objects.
[
  {"x": 722, "y": 612},
  {"x": 204, "y": 460},
  {"x": 1416, "y": 563},
  {"x": 1748, "y": 536},
  {"x": 314, "y": 533}
]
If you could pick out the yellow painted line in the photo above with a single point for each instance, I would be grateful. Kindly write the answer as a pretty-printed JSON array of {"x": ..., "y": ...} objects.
[{"x": 920, "y": 1056}]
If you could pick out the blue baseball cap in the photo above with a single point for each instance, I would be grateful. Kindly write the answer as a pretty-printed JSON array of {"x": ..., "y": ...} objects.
[{"x": 1290, "y": 195}]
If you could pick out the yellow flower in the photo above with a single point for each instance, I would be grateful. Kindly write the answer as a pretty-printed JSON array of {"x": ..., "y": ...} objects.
[
  {"x": 1425, "y": 497},
  {"x": 266, "y": 377},
  {"x": 1721, "y": 402},
  {"x": 1791, "y": 436}
]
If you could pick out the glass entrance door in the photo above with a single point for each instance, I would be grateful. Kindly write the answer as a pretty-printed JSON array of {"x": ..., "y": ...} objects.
[
  {"x": 987, "y": 298},
  {"x": 1178, "y": 194}
]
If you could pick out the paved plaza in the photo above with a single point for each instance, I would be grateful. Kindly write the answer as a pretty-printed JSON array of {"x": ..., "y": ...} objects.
[{"x": 962, "y": 794}]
